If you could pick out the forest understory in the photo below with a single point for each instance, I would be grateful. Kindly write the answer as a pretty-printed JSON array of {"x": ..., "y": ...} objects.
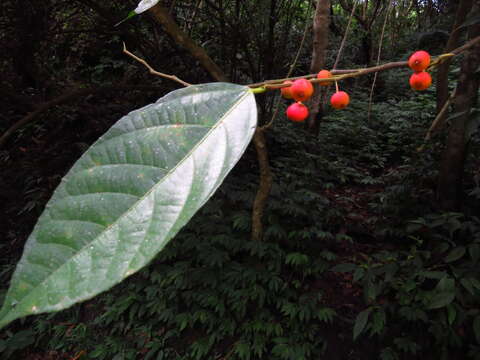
[{"x": 359, "y": 258}]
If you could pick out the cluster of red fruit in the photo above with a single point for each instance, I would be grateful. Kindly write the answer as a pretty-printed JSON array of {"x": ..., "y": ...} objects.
[
  {"x": 418, "y": 62},
  {"x": 301, "y": 90}
]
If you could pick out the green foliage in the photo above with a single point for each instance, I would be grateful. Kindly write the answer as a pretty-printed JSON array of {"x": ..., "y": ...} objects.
[
  {"x": 213, "y": 293},
  {"x": 15, "y": 342},
  {"x": 336, "y": 202},
  {"x": 431, "y": 288},
  {"x": 210, "y": 293}
]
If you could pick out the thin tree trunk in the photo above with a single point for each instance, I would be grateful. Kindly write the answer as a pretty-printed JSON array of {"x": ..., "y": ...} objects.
[
  {"x": 449, "y": 190},
  {"x": 453, "y": 41},
  {"x": 321, "y": 25},
  {"x": 265, "y": 185},
  {"x": 320, "y": 35},
  {"x": 162, "y": 16},
  {"x": 29, "y": 29},
  {"x": 269, "y": 54}
]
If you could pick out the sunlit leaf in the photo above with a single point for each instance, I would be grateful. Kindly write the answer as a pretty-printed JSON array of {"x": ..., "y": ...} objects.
[
  {"x": 129, "y": 194},
  {"x": 142, "y": 6}
]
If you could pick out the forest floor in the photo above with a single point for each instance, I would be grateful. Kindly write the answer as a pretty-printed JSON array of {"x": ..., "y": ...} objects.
[{"x": 352, "y": 197}]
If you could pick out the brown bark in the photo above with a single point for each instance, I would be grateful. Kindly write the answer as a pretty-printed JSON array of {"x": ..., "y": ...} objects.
[
  {"x": 321, "y": 25},
  {"x": 442, "y": 73},
  {"x": 265, "y": 184},
  {"x": 269, "y": 54},
  {"x": 449, "y": 189},
  {"x": 162, "y": 16}
]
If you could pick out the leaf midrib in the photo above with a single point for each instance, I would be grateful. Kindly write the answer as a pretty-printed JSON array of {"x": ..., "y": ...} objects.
[{"x": 217, "y": 124}]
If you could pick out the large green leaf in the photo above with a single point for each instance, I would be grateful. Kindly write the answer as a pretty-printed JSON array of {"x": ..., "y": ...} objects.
[{"x": 129, "y": 194}]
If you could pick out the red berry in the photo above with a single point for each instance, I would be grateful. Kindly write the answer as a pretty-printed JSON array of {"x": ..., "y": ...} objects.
[
  {"x": 419, "y": 60},
  {"x": 287, "y": 91},
  {"x": 340, "y": 100},
  {"x": 297, "y": 112},
  {"x": 420, "y": 80},
  {"x": 301, "y": 90},
  {"x": 325, "y": 74}
]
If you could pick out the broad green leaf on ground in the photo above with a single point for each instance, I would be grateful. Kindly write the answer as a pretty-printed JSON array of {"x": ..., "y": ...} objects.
[
  {"x": 441, "y": 300},
  {"x": 129, "y": 194},
  {"x": 455, "y": 254}
]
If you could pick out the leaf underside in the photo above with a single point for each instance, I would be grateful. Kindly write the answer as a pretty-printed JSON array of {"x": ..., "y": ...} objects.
[{"x": 129, "y": 194}]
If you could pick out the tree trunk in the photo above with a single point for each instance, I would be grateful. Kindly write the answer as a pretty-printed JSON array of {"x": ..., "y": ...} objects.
[
  {"x": 449, "y": 190},
  {"x": 366, "y": 49},
  {"x": 321, "y": 25},
  {"x": 29, "y": 29},
  {"x": 442, "y": 73},
  {"x": 269, "y": 54},
  {"x": 265, "y": 185}
]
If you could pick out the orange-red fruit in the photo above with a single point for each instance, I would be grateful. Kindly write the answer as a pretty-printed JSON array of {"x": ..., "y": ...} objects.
[
  {"x": 419, "y": 60},
  {"x": 287, "y": 91},
  {"x": 297, "y": 112},
  {"x": 325, "y": 74},
  {"x": 301, "y": 90},
  {"x": 340, "y": 100},
  {"x": 420, "y": 80}
]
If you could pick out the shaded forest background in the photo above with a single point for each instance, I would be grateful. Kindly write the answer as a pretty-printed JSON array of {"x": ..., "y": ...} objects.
[{"x": 362, "y": 236}]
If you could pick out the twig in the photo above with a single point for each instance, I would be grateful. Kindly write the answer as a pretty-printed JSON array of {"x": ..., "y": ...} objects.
[
  {"x": 162, "y": 16},
  {"x": 79, "y": 355},
  {"x": 188, "y": 25},
  {"x": 290, "y": 70},
  {"x": 378, "y": 61},
  {"x": 466, "y": 46},
  {"x": 342, "y": 45},
  {"x": 152, "y": 70},
  {"x": 440, "y": 116},
  {"x": 337, "y": 75},
  {"x": 308, "y": 76},
  {"x": 350, "y": 73}
]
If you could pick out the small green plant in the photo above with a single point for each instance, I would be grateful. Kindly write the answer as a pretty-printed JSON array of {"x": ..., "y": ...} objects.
[{"x": 431, "y": 288}]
